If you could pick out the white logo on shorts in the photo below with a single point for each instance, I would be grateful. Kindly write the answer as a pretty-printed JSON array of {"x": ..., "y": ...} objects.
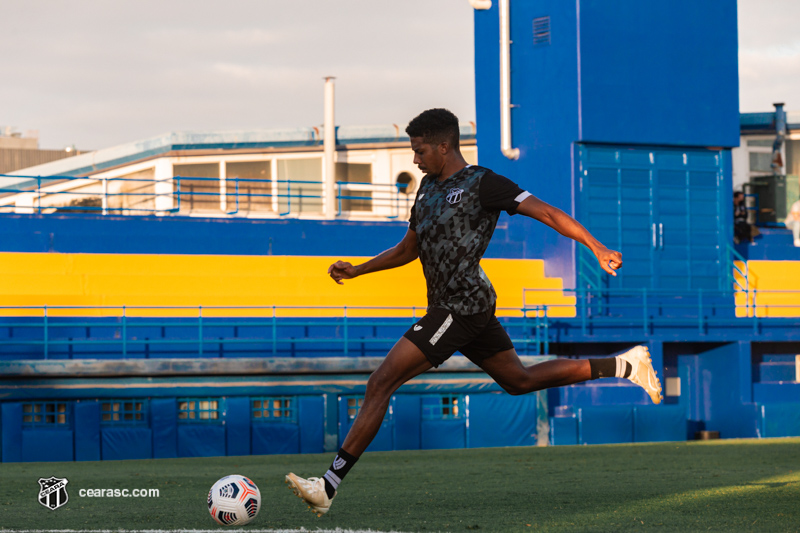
[{"x": 417, "y": 327}]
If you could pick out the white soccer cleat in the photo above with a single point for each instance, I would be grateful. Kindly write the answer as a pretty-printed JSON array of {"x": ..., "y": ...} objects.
[
  {"x": 642, "y": 372},
  {"x": 312, "y": 491}
]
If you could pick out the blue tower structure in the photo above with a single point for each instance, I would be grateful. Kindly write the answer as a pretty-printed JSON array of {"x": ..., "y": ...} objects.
[{"x": 623, "y": 114}]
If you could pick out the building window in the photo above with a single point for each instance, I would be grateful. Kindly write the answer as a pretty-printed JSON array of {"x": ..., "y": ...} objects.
[
  {"x": 274, "y": 409},
  {"x": 45, "y": 414},
  {"x": 300, "y": 186},
  {"x": 198, "y": 185},
  {"x": 760, "y": 161},
  {"x": 351, "y": 199},
  {"x": 443, "y": 407},
  {"x": 354, "y": 406},
  {"x": 123, "y": 412},
  {"x": 406, "y": 183},
  {"x": 198, "y": 410},
  {"x": 248, "y": 186}
]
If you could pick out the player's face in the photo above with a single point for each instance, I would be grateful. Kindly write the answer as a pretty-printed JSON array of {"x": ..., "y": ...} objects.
[{"x": 427, "y": 157}]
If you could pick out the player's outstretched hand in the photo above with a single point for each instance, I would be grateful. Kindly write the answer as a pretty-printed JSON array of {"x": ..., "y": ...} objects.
[
  {"x": 342, "y": 270},
  {"x": 610, "y": 260}
]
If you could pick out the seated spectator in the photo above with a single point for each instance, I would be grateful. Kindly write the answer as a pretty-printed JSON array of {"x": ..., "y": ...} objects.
[
  {"x": 793, "y": 222},
  {"x": 742, "y": 230}
]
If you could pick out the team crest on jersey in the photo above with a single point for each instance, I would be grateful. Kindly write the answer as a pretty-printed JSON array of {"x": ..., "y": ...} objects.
[
  {"x": 53, "y": 492},
  {"x": 454, "y": 196}
]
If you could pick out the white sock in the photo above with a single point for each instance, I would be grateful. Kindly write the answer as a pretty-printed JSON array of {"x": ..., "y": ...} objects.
[{"x": 622, "y": 368}]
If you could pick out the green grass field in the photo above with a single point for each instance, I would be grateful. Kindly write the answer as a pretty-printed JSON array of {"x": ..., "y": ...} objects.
[{"x": 718, "y": 486}]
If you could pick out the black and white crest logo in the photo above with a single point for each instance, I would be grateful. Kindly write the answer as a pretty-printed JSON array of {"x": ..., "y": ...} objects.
[
  {"x": 53, "y": 492},
  {"x": 454, "y": 196}
]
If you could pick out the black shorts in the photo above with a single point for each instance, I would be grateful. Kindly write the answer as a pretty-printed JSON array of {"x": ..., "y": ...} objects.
[{"x": 441, "y": 333}]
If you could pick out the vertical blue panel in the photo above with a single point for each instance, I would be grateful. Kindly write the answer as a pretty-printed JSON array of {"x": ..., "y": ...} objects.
[
  {"x": 605, "y": 425},
  {"x": 563, "y": 430},
  {"x": 200, "y": 440},
  {"x": 12, "y": 432},
  {"x": 311, "y": 418},
  {"x": 127, "y": 443},
  {"x": 237, "y": 425},
  {"x": 407, "y": 421},
  {"x": 164, "y": 423},
  {"x": 47, "y": 445},
  {"x": 444, "y": 434},
  {"x": 780, "y": 420},
  {"x": 658, "y": 423},
  {"x": 87, "y": 431},
  {"x": 271, "y": 438},
  {"x": 497, "y": 419},
  {"x": 719, "y": 388}
]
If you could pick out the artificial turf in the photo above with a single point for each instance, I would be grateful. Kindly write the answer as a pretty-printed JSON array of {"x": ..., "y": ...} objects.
[{"x": 735, "y": 485}]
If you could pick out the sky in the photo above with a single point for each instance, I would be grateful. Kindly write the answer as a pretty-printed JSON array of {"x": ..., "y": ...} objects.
[{"x": 95, "y": 73}]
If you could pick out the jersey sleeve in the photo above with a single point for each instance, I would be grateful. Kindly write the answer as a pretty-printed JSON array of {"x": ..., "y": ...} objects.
[
  {"x": 412, "y": 218},
  {"x": 499, "y": 193}
]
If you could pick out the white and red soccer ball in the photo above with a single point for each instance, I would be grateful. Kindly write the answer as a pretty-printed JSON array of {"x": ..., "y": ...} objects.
[{"x": 234, "y": 501}]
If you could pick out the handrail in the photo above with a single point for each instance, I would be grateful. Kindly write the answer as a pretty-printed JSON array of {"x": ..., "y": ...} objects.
[
  {"x": 342, "y": 332},
  {"x": 176, "y": 195}
]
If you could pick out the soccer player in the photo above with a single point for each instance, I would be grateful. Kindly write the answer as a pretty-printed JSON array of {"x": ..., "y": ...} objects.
[{"x": 451, "y": 223}]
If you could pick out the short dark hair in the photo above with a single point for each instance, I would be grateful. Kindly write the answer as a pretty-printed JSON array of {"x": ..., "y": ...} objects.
[{"x": 435, "y": 126}]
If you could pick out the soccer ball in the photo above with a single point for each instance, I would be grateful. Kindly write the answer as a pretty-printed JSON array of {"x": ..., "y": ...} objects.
[{"x": 234, "y": 501}]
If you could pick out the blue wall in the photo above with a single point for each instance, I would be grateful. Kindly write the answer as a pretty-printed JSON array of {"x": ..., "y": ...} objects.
[
  {"x": 620, "y": 72},
  {"x": 81, "y": 233}
]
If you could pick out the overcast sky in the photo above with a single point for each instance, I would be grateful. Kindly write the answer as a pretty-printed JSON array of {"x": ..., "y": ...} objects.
[{"x": 96, "y": 73}]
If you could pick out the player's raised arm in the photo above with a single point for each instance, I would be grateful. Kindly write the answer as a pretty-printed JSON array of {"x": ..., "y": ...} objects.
[
  {"x": 610, "y": 260},
  {"x": 403, "y": 253}
]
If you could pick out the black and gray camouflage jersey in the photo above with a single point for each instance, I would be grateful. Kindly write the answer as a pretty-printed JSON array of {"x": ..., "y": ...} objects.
[{"x": 454, "y": 220}]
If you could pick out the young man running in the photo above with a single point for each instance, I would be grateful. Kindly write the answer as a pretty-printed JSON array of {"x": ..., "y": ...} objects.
[{"x": 452, "y": 221}]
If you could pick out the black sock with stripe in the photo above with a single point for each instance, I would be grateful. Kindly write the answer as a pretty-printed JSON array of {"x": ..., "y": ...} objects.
[
  {"x": 610, "y": 367},
  {"x": 340, "y": 466}
]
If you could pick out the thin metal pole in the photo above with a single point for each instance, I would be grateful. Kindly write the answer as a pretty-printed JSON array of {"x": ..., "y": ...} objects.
[
  {"x": 200, "y": 329},
  {"x": 39, "y": 192},
  {"x": 274, "y": 334},
  {"x": 46, "y": 337},
  {"x": 105, "y": 196},
  {"x": 346, "y": 332},
  {"x": 124, "y": 333},
  {"x": 546, "y": 332}
]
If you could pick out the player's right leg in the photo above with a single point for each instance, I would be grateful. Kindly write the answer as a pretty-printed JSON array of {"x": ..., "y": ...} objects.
[
  {"x": 508, "y": 371},
  {"x": 403, "y": 362}
]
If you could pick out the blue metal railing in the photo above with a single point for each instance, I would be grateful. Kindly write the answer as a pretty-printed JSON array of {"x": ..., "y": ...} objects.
[
  {"x": 126, "y": 331},
  {"x": 45, "y": 194},
  {"x": 649, "y": 308}
]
